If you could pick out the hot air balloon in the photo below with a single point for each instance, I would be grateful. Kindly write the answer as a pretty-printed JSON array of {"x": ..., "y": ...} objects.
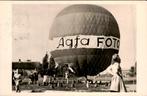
[{"x": 85, "y": 37}]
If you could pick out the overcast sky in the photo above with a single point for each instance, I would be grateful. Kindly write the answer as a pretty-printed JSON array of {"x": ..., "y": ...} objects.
[{"x": 31, "y": 26}]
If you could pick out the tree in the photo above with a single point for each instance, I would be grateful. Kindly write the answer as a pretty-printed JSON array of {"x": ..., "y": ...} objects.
[{"x": 45, "y": 63}]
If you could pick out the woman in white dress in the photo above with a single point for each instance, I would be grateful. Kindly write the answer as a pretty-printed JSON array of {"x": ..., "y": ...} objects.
[
  {"x": 17, "y": 79},
  {"x": 117, "y": 83}
]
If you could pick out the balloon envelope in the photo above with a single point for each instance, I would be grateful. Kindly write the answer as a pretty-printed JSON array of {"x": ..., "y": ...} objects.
[{"x": 87, "y": 36}]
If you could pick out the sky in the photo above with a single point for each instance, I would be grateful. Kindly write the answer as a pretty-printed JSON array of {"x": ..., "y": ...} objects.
[{"x": 31, "y": 26}]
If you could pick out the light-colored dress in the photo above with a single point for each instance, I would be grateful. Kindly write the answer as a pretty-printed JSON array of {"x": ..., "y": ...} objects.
[
  {"x": 117, "y": 83},
  {"x": 17, "y": 78},
  {"x": 45, "y": 77}
]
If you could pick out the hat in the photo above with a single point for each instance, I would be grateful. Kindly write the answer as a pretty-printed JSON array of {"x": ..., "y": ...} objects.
[{"x": 116, "y": 58}]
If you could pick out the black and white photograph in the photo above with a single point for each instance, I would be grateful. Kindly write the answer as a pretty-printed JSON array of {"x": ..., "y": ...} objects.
[{"x": 74, "y": 48}]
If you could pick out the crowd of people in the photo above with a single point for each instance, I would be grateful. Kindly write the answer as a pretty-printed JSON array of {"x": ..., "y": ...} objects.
[{"x": 117, "y": 83}]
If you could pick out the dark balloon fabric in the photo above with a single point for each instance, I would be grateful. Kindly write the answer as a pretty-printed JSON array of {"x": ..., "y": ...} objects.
[{"x": 84, "y": 20}]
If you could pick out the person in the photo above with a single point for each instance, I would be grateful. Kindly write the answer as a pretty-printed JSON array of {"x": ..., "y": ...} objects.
[
  {"x": 117, "y": 83},
  {"x": 87, "y": 84},
  {"x": 35, "y": 74},
  {"x": 45, "y": 78},
  {"x": 66, "y": 76},
  {"x": 68, "y": 69},
  {"x": 17, "y": 79},
  {"x": 31, "y": 77}
]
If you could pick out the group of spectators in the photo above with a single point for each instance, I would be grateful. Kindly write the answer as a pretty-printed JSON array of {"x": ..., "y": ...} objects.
[
  {"x": 117, "y": 83},
  {"x": 18, "y": 76}
]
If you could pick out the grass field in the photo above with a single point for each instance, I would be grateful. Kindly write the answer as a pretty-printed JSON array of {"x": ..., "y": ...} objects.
[{"x": 77, "y": 87}]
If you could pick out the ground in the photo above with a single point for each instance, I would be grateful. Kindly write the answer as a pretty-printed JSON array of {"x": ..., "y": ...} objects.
[{"x": 78, "y": 87}]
